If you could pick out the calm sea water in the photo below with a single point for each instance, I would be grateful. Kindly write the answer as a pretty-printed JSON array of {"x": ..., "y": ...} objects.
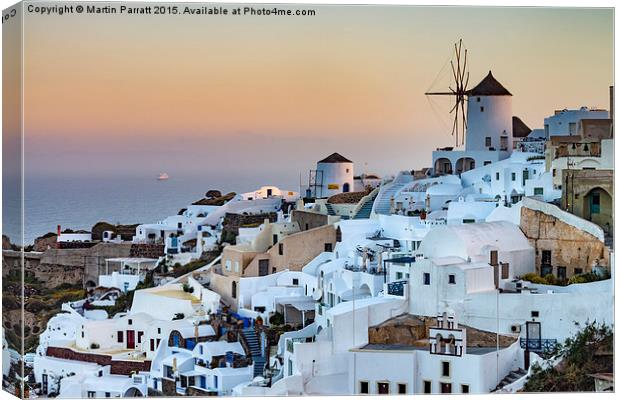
[{"x": 79, "y": 203}]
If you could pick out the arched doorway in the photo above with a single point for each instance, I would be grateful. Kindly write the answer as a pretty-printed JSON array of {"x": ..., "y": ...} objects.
[
  {"x": 346, "y": 188},
  {"x": 133, "y": 392},
  {"x": 465, "y": 164},
  {"x": 597, "y": 207},
  {"x": 443, "y": 166},
  {"x": 234, "y": 290}
]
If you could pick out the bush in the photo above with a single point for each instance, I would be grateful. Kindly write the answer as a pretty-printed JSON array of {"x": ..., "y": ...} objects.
[
  {"x": 587, "y": 352},
  {"x": 276, "y": 319}
]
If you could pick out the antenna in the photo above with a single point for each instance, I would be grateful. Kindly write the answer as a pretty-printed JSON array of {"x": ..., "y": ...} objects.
[{"x": 458, "y": 89}]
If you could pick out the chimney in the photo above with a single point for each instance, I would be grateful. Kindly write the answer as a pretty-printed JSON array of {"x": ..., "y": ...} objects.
[{"x": 58, "y": 230}]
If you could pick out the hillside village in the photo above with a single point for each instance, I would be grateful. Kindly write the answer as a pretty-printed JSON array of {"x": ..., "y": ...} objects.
[{"x": 464, "y": 275}]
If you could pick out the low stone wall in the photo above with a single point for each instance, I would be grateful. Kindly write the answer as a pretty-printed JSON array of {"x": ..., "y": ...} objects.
[
  {"x": 118, "y": 367},
  {"x": 146, "y": 250}
]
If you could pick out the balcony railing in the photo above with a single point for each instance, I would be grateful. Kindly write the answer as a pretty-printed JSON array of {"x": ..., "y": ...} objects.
[
  {"x": 538, "y": 345},
  {"x": 396, "y": 288}
]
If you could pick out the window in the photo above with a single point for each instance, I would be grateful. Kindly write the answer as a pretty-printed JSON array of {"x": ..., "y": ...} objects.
[
  {"x": 497, "y": 176},
  {"x": 119, "y": 337},
  {"x": 464, "y": 388},
  {"x": 538, "y": 191},
  {"x": 428, "y": 387},
  {"x": 553, "y": 171},
  {"x": 295, "y": 281},
  {"x": 427, "y": 278},
  {"x": 159, "y": 331},
  {"x": 152, "y": 343},
  {"x": 107, "y": 394},
  {"x": 275, "y": 239},
  {"x": 383, "y": 388},
  {"x": 399, "y": 275},
  {"x": 503, "y": 143},
  {"x": 140, "y": 334},
  {"x": 228, "y": 264},
  {"x": 91, "y": 394},
  {"x": 452, "y": 279},
  {"x": 578, "y": 271},
  {"x": 513, "y": 176},
  {"x": 328, "y": 247},
  {"x": 535, "y": 314},
  {"x": 281, "y": 249},
  {"x": 487, "y": 141},
  {"x": 561, "y": 273},
  {"x": 486, "y": 163},
  {"x": 572, "y": 128},
  {"x": 481, "y": 108},
  {"x": 234, "y": 290},
  {"x": 236, "y": 266},
  {"x": 129, "y": 321},
  {"x": 364, "y": 387},
  {"x": 468, "y": 220},
  {"x": 445, "y": 368},
  {"x": 402, "y": 388},
  {"x": 478, "y": 99}
]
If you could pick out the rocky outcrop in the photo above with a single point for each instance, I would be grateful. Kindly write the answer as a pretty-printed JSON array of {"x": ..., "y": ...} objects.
[{"x": 47, "y": 241}]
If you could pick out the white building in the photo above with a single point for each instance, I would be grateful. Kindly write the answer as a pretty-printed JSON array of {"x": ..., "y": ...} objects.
[
  {"x": 266, "y": 192},
  {"x": 489, "y": 130},
  {"x": 566, "y": 122},
  {"x": 333, "y": 175}
]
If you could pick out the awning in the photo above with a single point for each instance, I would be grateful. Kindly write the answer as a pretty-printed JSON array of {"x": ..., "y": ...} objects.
[{"x": 400, "y": 260}]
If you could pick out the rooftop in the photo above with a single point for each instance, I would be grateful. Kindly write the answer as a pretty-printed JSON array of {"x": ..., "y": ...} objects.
[
  {"x": 489, "y": 86},
  {"x": 519, "y": 129},
  {"x": 335, "y": 158}
]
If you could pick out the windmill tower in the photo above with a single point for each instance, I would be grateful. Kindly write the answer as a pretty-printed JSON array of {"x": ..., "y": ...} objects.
[
  {"x": 489, "y": 117},
  {"x": 485, "y": 128}
]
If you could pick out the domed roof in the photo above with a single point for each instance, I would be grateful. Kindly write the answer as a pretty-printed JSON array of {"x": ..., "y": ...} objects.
[
  {"x": 489, "y": 86},
  {"x": 335, "y": 158}
]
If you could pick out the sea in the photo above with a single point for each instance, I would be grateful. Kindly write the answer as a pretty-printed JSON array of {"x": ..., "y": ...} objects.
[{"x": 80, "y": 202}]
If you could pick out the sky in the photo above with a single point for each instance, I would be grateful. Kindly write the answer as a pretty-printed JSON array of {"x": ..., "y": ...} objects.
[{"x": 269, "y": 96}]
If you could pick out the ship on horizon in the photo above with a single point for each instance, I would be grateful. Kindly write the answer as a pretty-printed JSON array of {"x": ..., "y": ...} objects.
[{"x": 163, "y": 177}]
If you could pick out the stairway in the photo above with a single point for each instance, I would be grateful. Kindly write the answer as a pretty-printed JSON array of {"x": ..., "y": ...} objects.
[
  {"x": 366, "y": 209},
  {"x": 330, "y": 211},
  {"x": 253, "y": 342},
  {"x": 387, "y": 192},
  {"x": 511, "y": 377}
]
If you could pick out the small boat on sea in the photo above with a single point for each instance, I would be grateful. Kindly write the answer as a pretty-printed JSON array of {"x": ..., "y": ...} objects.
[{"x": 163, "y": 176}]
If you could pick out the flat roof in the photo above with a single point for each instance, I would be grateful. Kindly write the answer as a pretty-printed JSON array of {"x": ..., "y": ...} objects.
[{"x": 404, "y": 347}]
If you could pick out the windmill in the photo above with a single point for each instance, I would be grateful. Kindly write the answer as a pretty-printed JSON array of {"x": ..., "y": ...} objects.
[{"x": 458, "y": 89}]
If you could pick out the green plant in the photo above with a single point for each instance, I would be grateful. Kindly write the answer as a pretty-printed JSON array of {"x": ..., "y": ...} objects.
[
  {"x": 276, "y": 319},
  {"x": 589, "y": 351}
]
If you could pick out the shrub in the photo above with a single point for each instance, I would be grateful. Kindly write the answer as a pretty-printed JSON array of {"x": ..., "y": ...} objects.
[{"x": 276, "y": 319}]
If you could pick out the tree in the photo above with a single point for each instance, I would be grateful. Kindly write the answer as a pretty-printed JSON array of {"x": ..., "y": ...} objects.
[{"x": 589, "y": 351}]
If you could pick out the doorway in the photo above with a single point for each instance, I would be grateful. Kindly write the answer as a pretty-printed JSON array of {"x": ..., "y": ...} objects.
[{"x": 131, "y": 339}]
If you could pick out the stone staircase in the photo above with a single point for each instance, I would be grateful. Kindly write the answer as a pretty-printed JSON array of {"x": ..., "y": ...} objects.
[
  {"x": 330, "y": 211},
  {"x": 366, "y": 209},
  {"x": 387, "y": 192},
  {"x": 511, "y": 377},
  {"x": 253, "y": 342}
]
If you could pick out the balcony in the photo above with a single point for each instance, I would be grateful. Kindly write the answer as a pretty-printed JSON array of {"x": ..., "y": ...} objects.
[
  {"x": 396, "y": 288},
  {"x": 538, "y": 345}
]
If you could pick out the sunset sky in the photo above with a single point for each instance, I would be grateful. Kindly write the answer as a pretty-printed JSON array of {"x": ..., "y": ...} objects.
[{"x": 268, "y": 96}]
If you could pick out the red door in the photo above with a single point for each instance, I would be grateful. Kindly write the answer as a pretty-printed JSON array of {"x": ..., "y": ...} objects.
[{"x": 131, "y": 339}]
